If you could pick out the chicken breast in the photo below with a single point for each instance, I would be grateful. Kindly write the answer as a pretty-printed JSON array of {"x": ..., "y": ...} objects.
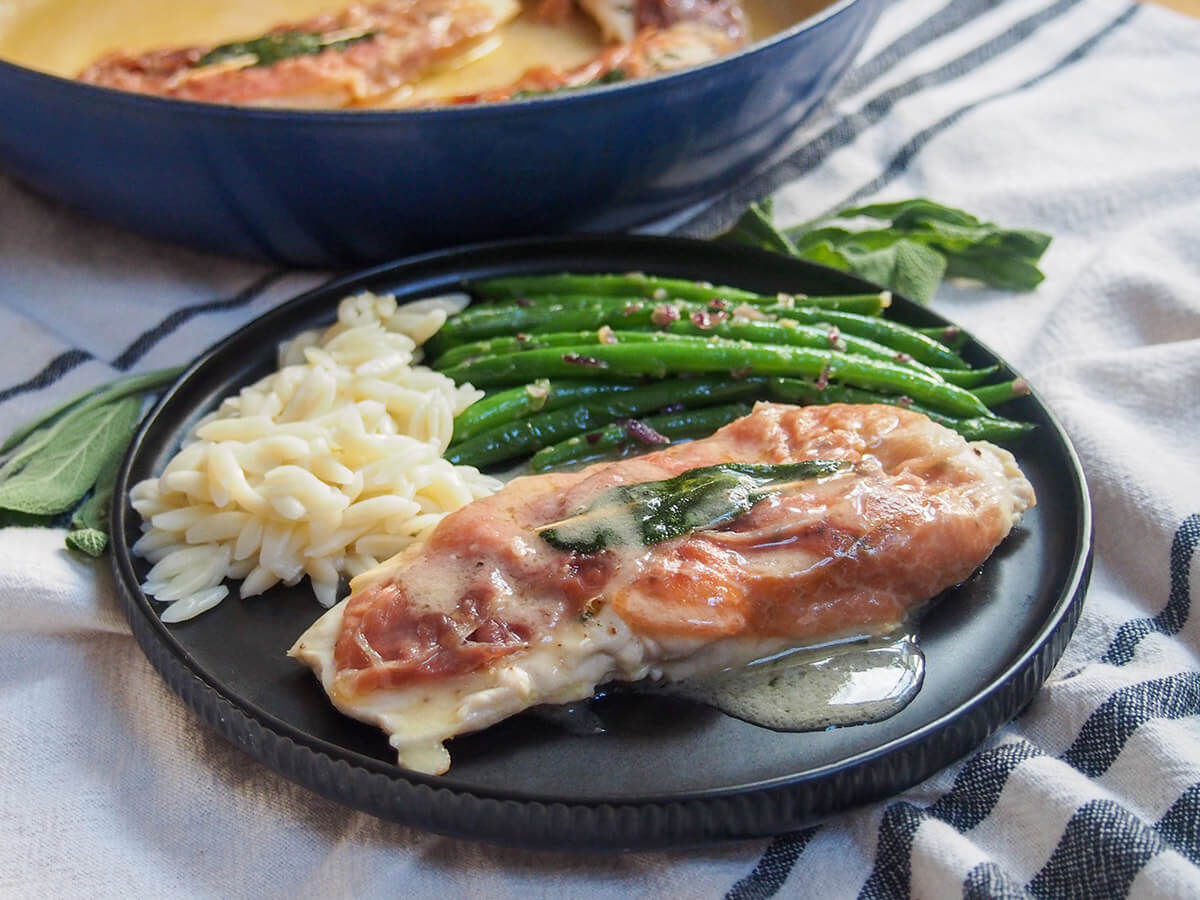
[
  {"x": 486, "y": 617},
  {"x": 349, "y": 58}
]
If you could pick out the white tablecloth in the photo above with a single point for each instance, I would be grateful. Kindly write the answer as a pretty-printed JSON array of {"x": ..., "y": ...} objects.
[{"x": 1076, "y": 117}]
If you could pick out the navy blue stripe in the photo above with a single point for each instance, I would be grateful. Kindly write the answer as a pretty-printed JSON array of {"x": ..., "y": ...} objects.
[
  {"x": 946, "y": 20},
  {"x": 987, "y": 881},
  {"x": 968, "y": 802},
  {"x": 949, "y": 18},
  {"x": 721, "y": 215},
  {"x": 891, "y": 878},
  {"x": 773, "y": 869},
  {"x": 981, "y": 781},
  {"x": 1179, "y": 602},
  {"x": 904, "y": 157},
  {"x": 144, "y": 342},
  {"x": 977, "y": 787},
  {"x": 1102, "y": 849},
  {"x": 1180, "y": 825},
  {"x": 1108, "y": 728},
  {"x": 51, "y": 372}
]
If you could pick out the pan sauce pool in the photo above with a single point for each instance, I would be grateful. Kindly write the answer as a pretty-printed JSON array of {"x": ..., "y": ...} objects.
[
  {"x": 851, "y": 683},
  {"x": 815, "y": 688}
]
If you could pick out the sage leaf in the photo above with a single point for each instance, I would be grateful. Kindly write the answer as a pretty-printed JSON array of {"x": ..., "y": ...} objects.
[
  {"x": 755, "y": 229},
  {"x": 26, "y": 451},
  {"x": 826, "y": 254},
  {"x": 903, "y": 213},
  {"x": 696, "y": 500},
  {"x": 90, "y": 520},
  {"x": 64, "y": 468},
  {"x": 971, "y": 248},
  {"x": 906, "y": 267},
  {"x": 32, "y": 436},
  {"x": 922, "y": 243},
  {"x": 91, "y": 541},
  {"x": 995, "y": 269},
  {"x": 275, "y": 46},
  {"x": 93, "y": 512}
]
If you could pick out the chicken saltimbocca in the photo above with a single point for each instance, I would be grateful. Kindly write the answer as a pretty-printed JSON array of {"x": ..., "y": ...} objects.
[
  {"x": 790, "y": 527},
  {"x": 399, "y": 53}
]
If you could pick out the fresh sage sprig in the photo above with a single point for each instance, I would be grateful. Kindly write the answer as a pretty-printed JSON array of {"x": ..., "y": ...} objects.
[
  {"x": 71, "y": 453},
  {"x": 279, "y": 45},
  {"x": 921, "y": 244},
  {"x": 695, "y": 500}
]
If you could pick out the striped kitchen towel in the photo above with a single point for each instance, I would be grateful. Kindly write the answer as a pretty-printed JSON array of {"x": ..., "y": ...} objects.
[{"x": 1076, "y": 117}]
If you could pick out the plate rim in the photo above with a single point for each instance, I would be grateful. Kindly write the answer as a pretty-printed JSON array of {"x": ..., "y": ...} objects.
[{"x": 330, "y": 769}]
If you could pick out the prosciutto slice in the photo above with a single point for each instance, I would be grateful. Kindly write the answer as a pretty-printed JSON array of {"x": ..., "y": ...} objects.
[
  {"x": 485, "y": 618},
  {"x": 353, "y": 57}
]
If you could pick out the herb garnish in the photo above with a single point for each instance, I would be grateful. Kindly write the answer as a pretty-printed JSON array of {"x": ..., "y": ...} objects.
[
  {"x": 922, "y": 243},
  {"x": 56, "y": 461},
  {"x": 695, "y": 500},
  {"x": 271, "y": 48}
]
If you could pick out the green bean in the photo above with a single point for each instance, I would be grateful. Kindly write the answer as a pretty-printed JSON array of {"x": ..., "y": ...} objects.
[
  {"x": 973, "y": 428},
  {"x": 789, "y": 333},
  {"x": 499, "y": 345},
  {"x": 539, "y": 288},
  {"x": 517, "y": 403},
  {"x": 716, "y": 355},
  {"x": 863, "y": 304},
  {"x": 529, "y": 434},
  {"x": 508, "y": 319},
  {"x": 897, "y": 337},
  {"x": 525, "y": 436},
  {"x": 995, "y": 394},
  {"x": 477, "y": 323},
  {"x": 986, "y": 428},
  {"x": 901, "y": 338},
  {"x": 756, "y": 331},
  {"x": 968, "y": 378},
  {"x": 630, "y": 284},
  {"x": 947, "y": 335},
  {"x": 686, "y": 423}
]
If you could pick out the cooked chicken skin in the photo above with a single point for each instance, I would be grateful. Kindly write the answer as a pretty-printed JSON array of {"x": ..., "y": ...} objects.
[
  {"x": 485, "y": 618},
  {"x": 350, "y": 58}
]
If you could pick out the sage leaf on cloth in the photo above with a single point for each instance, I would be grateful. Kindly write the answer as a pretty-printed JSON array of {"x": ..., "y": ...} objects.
[
  {"x": 65, "y": 467},
  {"x": 921, "y": 243},
  {"x": 91, "y": 541},
  {"x": 756, "y": 229},
  {"x": 89, "y": 523},
  {"x": 71, "y": 452}
]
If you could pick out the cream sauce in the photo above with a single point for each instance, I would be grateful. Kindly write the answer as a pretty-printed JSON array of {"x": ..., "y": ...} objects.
[
  {"x": 64, "y": 36},
  {"x": 851, "y": 683}
]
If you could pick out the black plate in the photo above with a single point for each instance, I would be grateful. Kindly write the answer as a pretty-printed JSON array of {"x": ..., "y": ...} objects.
[{"x": 667, "y": 773}]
